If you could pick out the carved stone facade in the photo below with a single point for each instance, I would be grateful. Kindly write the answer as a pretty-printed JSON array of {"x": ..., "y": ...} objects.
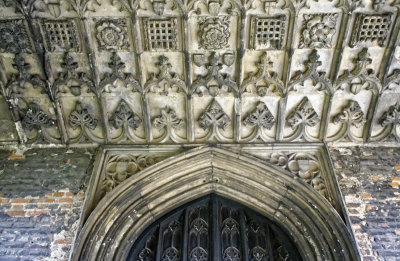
[
  {"x": 147, "y": 71},
  {"x": 161, "y": 77}
]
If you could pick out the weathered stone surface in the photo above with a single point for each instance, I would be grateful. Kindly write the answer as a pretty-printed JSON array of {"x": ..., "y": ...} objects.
[{"x": 74, "y": 73}]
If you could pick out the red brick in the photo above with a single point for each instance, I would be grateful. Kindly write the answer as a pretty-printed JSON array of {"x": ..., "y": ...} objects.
[
  {"x": 17, "y": 206},
  {"x": 15, "y": 213},
  {"x": 62, "y": 241},
  {"x": 21, "y": 200},
  {"x": 58, "y": 194},
  {"x": 15, "y": 157},
  {"x": 65, "y": 200},
  {"x": 4, "y": 201},
  {"x": 365, "y": 195},
  {"x": 36, "y": 213}
]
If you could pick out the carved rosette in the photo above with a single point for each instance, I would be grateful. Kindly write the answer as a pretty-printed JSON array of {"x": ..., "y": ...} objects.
[
  {"x": 122, "y": 166},
  {"x": 318, "y": 30},
  {"x": 14, "y": 37},
  {"x": 112, "y": 34},
  {"x": 304, "y": 166},
  {"x": 214, "y": 32}
]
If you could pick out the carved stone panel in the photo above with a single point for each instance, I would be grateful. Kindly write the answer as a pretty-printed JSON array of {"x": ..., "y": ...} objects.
[{"x": 61, "y": 35}]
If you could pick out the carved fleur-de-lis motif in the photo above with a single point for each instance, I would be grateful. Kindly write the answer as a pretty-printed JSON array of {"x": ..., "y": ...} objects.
[
  {"x": 392, "y": 116},
  {"x": 71, "y": 78},
  {"x": 165, "y": 81},
  {"x": 22, "y": 67},
  {"x": 260, "y": 117},
  {"x": 124, "y": 117},
  {"x": 303, "y": 114},
  {"x": 80, "y": 117},
  {"x": 118, "y": 79},
  {"x": 352, "y": 114},
  {"x": 168, "y": 119},
  {"x": 361, "y": 77},
  {"x": 214, "y": 116},
  {"x": 36, "y": 118},
  {"x": 214, "y": 82},
  {"x": 311, "y": 76},
  {"x": 116, "y": 65},
  {"x": 264, "y": 79}
]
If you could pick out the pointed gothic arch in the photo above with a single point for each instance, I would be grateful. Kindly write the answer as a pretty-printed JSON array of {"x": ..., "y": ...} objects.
[{"x": 120, "y": 218}]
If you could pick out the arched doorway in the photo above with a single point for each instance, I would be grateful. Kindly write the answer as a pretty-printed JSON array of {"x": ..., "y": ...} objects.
[
  {"x": 122, "y": 216},
  {"x": 214, "y": 228}
]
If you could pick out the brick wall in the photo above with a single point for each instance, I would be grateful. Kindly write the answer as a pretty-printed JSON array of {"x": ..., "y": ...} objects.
[
  {"x": 41, "y": 196},
  {"x": 369, "y": 179}
]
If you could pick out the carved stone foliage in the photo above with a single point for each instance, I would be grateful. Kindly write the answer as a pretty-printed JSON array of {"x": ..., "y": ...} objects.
[
  {"x": 264, "y": 81},
  {"x": 125, "y": 117},
  {"x": 268, "y": 32},
  {"x": 351, "y": 116},
  {"x": 214, "y": 32},
  {"x": 14, "y": 37},
  {"x": 37, "y": 124},
  {"x": 390, "y": 120},
  {"x": 35, "y": 118},
  {"x": 300, "y": 118},
  {"x": 120, "y": 167},
  {"x": 61, "y": 35},
  {"x": 214, "y": 116},
  {"x": 318, "y": 30},
  {"x": 85, "y": 122},
  {"x": 168, "y": 122},
  {"x": 121, "y": 95},
  {"x": 214, "y": 82},
  {"x": 371, "y": 28},
  {"x": 166, "y": 81},
  {"x": 29, "y": 97},
  {"x": 259, "y": 119},
  {"x": 141, "y": 59},
  {"x": 304, "y": 166},
  {"x": 112, "y": 34}
]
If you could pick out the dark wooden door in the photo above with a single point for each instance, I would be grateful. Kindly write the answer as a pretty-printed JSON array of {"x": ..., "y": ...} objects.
[{"x": 217, "y": 229}]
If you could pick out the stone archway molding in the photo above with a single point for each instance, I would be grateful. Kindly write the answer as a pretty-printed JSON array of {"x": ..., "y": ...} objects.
[{"x": 121, "y": 216}]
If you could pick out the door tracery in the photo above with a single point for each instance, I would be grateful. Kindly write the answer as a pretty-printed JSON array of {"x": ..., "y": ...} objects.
[{"x": 214, "y": 228}]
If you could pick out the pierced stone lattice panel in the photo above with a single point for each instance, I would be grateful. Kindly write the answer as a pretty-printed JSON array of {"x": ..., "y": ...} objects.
[{"x": 61, "y": 35}]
